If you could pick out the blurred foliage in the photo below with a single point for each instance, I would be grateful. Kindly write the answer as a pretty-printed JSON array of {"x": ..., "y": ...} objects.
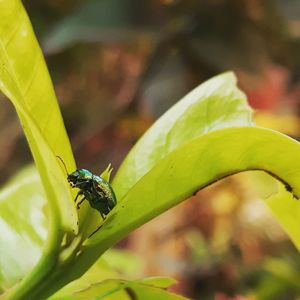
[
  {"x": 132, "y": 78},
  {"x": 114, "y": 75}
]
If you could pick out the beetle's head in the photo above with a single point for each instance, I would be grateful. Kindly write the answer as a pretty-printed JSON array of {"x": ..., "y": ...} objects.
[{"x": 79, "y": 178}]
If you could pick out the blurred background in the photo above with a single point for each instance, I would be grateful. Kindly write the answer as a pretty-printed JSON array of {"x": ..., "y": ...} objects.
[{"x": 117, "y": 65}]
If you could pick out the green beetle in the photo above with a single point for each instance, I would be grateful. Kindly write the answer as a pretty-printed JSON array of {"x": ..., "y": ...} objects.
[{"x": 95, "y": 189}]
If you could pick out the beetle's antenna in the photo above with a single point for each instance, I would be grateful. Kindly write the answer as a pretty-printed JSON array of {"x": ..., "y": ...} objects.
[{"x": 63, "y": 163}]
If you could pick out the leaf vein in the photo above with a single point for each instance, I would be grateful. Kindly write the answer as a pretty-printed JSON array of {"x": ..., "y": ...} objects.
[
  {"x": 36, "y": 64},
  {"x": 14, "y": 31}
]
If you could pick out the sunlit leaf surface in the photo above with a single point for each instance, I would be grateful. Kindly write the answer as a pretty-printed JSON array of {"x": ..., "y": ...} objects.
[
  {"x": 23, "y": 195},
  {"x": 201, "y": 162},
  {"x": 215, "y": 104},
  {"x": 24, "y": 79},
  {"x": 113, "y": 263},
  {"x": 193, "y": 166},
  {"x": 114, "y": 289}
]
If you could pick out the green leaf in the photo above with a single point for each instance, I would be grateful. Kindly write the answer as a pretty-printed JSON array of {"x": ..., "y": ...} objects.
[
  {"x": 215, "y": 104},
  {"x": 115, "y": 264},
  {"x": 24, "y": 195},
  {"x": 160, "y": 282},
  {"x": 24, "y": 79},
  {"x": 24, "y": 198},
  {"x": 191, "y": 167},
  {"x": 100, "y": 271},
  {"x": 282, "y": 204},
  {"x": 125, "y": 262},
  {"x": 148, "y": 288},
  {"x": 287, "y": 212},
  {"x": 197, "y": 164},
  {"x": 106, "y": 173}
]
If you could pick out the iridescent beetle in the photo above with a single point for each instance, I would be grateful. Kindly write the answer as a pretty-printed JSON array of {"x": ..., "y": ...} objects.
[{"x": 93, "y": 188}]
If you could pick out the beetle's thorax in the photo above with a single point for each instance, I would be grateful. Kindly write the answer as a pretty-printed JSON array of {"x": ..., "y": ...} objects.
[{"x": 80, "y": 178}]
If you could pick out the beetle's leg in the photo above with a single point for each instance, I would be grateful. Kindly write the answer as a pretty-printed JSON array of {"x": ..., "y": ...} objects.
[
  {"x": 78, "y": 194},
  {"x": 103, "y": 216},
  {"x": 79, "y": 203}
]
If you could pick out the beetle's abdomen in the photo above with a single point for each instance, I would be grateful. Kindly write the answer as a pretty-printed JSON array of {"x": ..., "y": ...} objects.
[{"x": 101, "y": 204}]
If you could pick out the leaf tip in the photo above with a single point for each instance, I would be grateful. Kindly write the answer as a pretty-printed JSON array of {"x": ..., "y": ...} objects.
[{"x": 106, "y": 173}]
